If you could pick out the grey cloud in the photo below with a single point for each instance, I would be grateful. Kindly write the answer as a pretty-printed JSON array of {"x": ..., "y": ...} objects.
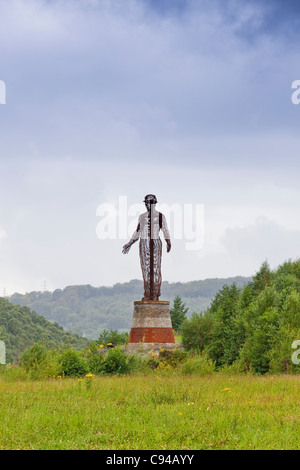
[
  {"x": 98, "y": 80},
  {"x": 266, "y": 239}
]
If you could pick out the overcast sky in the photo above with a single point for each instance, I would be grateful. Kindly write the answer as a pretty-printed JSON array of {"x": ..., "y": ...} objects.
[{"x": 189, "y": 100}]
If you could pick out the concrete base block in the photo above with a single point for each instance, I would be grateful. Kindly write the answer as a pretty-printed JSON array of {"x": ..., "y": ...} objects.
[{"x": 151, "y": 326}]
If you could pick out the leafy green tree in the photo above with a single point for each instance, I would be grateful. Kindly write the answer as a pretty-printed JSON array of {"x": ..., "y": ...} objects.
[
  {"x": 114, "y": 337},
  {"x": 262, "y": 278},
  {"x": 196, "y": 332},
  {"x": 178, "y": 313},
  {"x": 226, "y": 330}
]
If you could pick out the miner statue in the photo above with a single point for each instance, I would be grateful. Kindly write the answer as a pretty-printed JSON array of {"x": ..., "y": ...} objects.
[{"x": 149, "y": 225}]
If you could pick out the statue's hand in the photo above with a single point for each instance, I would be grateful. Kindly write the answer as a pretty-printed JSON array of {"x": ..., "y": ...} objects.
[
  {"x": 168, "y": 246},
  {"x": 126, "y": 248}
]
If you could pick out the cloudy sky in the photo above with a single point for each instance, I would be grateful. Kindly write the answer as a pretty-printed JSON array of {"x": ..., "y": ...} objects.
[{"x": 187, "y": 99}]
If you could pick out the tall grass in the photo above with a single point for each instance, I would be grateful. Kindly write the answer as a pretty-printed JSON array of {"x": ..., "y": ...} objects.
[{"x": 158, "y": 410}]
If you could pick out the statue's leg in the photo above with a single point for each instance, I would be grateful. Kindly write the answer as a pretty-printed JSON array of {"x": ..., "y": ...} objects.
[
  {"x": 157, "y": 252},
  {"x": 145, "y": 265}
]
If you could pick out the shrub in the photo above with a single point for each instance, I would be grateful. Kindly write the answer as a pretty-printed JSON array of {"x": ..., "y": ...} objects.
[
  {"x": 196, "y": 332},
  {"x": 117, "y": 362},
  {"x": 73, "y": 364},
  {"x": 40, "y": 363},
  {"x": 34, "y": 357},
  {"x": 114, "y": 337},
  {"x": 171, "y": 357},
  {"x": 96, "y": 362},
  {"x": 199, "y": 365}
]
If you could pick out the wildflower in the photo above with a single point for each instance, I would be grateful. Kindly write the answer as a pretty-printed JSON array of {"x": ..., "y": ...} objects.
[
  {"x": 109, "y": 344},
  {"x": 226, "y": 390},
  {"x": 90, "y": 375},
  {"x": 79, "y": 380},
  {"x": 179, "y": 414},
  {"x": 101, "y": 346}
]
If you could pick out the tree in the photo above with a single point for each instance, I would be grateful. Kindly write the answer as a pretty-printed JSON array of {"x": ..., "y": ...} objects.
[
  {"x": 226, "y": 332},
  {"x": 196, "y": 332},
  {"x": 178, "y": 313}
]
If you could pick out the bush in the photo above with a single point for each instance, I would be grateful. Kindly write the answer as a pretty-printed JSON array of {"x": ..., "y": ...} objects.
[
  {"x": 117, "y": 362},
  {"x": 34, "y": 357},
  {"x": 40, "y": 363},
  {"x": 73, "y": 364},
  {"x": 96, "y": 362},
  {"x": 196, "y": 332},
  {"x": 199, "y": 365},
  {"x": 114, "y": 337}
]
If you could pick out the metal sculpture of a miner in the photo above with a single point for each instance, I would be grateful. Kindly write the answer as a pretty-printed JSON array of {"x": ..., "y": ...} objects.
[{"x": 149, "y": 225}]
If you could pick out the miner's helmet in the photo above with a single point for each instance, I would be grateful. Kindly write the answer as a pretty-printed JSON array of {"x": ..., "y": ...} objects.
[{"x": 150, "y": 198}]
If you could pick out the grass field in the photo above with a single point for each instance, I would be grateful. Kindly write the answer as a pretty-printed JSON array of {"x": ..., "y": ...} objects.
[{"x": 153, "y": 412}]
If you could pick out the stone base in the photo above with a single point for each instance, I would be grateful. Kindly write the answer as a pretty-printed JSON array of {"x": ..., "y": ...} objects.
[
  {"x": 146, "y": 347},
  {"x": 151, "y": 326}
]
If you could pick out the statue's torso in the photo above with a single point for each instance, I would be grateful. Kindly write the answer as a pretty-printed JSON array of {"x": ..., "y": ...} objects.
[{"x": 146, "y": 221}]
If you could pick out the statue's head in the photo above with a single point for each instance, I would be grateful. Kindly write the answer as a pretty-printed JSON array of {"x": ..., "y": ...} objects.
[{"x": 149, "y": 200}]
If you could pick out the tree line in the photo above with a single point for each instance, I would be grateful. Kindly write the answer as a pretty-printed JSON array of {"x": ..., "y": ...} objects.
[
  {"x": 88, "y": 310},
  {"x": 251, "y": 328}
]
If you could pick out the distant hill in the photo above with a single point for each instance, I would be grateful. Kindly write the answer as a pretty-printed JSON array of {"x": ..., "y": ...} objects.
[
  {"x": 87, "y": 310},
  {"x": 20, "y": 329}
]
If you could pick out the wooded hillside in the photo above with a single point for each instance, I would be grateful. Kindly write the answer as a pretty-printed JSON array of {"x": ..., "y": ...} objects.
[{"x": 87, "y": 310}]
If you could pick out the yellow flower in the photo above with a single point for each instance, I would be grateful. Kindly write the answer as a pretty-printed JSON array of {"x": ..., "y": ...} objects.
[
  {"x": 79, "y": 380},
  {"x": 101, "y": 346},
  {"x": 109, "y": 344},
  {"x": 90, "y": 375},
  {"x": 226, "y": 389},
  {"x": 179, "y": 414}
]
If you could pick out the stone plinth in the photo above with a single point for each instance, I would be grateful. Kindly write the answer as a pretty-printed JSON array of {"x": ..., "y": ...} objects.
[{"x": 151, "y": 326}]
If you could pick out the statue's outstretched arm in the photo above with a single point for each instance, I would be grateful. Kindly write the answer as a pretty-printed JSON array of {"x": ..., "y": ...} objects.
[{"x": 133, "y": 239}]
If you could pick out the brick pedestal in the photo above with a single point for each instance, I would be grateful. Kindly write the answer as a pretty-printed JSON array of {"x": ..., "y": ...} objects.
[{"x": 151, "y": 326}]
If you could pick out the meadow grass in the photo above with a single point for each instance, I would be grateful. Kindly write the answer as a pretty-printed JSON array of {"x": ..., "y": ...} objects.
[{"x": 154, "y": 411}]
